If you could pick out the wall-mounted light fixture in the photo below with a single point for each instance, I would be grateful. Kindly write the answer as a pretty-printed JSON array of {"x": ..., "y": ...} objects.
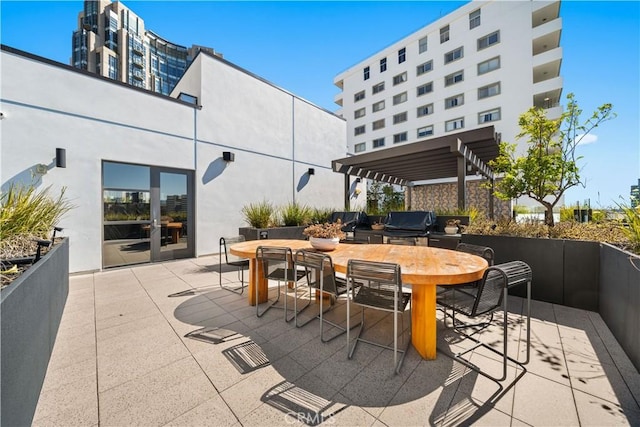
[
  {"x": 228, "y": 156},
  {"x": 61, "y": 158},
  {"x": 358, "y": 179},
  {"x": 469, "y": 167},
  {"x": 311, "y": 171}
]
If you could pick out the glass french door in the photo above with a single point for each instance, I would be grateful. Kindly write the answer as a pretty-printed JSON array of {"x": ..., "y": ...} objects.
[{"x": 147, "y": 214}]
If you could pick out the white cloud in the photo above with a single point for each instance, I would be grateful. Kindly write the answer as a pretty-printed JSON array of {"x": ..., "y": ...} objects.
[{"x": 587, "y": 139}]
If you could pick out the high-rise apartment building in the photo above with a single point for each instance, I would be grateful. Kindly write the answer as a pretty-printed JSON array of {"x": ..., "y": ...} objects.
[
  {"x": 634, "y": 195},
  {"x": 112, "y": 41},
  {"x": 483, "y": 64}
]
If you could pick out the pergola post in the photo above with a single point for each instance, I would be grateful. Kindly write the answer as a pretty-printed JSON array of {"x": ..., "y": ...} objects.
[
  {"x": 347, "y": 204},
  {"x": 462, "y": 173},
  {"x": 493, "y": 183}
]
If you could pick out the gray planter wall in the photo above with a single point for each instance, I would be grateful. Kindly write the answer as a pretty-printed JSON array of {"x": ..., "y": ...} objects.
[
  {"x": 292, "y": 232},
  {"x": 587, "y": 275},
  {"x": 620, "y": 298},
  {"x": 30, "y": 310},
  {"x": 564, "y": 271}
]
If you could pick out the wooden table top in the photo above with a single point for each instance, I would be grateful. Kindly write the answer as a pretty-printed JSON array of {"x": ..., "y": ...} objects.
[{"x": 419, "y": 264}]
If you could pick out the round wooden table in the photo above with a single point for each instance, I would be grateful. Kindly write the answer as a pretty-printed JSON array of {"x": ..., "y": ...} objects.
[{"x": 422, "y": 267}]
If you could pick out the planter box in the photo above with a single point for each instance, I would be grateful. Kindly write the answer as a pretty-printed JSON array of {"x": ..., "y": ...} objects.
[
  {"x": 582, "y": 274},
  {"x": 293, "y": 232},
  {"x": 620, "y": 298},
  {"x": 565, "y": 272},
  {"x": 30, "y": 310}
]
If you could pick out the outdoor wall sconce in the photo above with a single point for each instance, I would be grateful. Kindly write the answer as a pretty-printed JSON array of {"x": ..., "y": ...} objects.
[
  {"x": 61, "y": 158},
  {"x": 311, "y": 171},
  {"x": 228, "y": 156},
  {"x": 358, "y": 180}
]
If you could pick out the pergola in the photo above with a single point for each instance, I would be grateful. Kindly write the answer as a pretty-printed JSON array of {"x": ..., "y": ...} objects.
[{"x": 455, "y": 155}]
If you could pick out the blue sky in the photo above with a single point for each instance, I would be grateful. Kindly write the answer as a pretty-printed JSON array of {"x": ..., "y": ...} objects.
[{"x": 301, "y": 46}]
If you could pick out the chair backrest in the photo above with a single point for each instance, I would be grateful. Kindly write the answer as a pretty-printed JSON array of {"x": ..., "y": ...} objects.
[
  {"x": 230, "y": 258},
  {"x": 272, "y": 258},
  {"x": 496, "y": 278},
  {"x": 382, "y": 278},
  {"x": 482, "y": 251},
  {"x": 316, "y": 266}
]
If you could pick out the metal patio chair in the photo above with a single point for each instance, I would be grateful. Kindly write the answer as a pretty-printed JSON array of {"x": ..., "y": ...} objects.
[
  {"x": 321, "y": 277},
  {"x": 490, "y": 295},
  {"x": 276, "y": 263},
  {"x": 380, "y": 289},
  {"x": 241, "y": 263}
]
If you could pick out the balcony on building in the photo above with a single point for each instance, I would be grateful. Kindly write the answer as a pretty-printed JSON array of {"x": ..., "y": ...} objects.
[{"x": 544, "y": 12}]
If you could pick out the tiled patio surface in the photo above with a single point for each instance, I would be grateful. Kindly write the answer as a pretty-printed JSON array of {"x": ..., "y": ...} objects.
[{"x": 122, "y": 359}]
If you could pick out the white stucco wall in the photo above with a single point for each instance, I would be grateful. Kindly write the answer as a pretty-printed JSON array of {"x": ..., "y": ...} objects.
[{"x": 275, "y": 136}]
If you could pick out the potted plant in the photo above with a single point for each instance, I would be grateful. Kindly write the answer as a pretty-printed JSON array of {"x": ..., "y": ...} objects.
[
  {"x": 326, "y": 236},
  {"x": 452, "y": 227}
]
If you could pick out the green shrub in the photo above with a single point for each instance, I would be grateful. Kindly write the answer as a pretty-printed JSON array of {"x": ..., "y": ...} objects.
[
  {"x": 566, "y": 213},
  {"x": 259, "y": 215},
  {"x": 25, "y": 211},
  {"x": 613, "y": 232},
  {"x": 320, "y": 215},
  {"x": 294, "y": 214},
  {"x": 631, "y": 227}
]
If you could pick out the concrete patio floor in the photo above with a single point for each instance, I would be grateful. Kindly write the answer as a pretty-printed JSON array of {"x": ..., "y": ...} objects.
[{"x": 121, "y": 358}]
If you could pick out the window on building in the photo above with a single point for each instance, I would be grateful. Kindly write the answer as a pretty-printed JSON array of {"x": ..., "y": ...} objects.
[
  {"x": 400, "y": 98},
  {"x": 454, "y": 78},
  {"x": 454, "y": 101},
  {"x": 358, "y": 96},
  {"x": 359, "y": 130},
  {"x": 422, "y": 45},
  {"x": 425, "y": 110},
  {"x": 360, "y": 147},
  {"x": 361, "y": 112},
  {"x": 378, "y": 88},
  {"x": 424, "y": 89},
  {"x": 424, "y": 68},
  {"x": 188, "y": 98},
  {"x": 378, "y": 106},
  {"x": 402, "y": 55},
  {"x": 400, "y": 117},
  {"x": 453, "y": 55},
  {"x": 489, "y": 90},
  {"x": 400, "y": 78},
  {"x": 113, "y": 67},
  {"x": 383, "y": 65},
  {"x": 378, "y": 142},
  {"x": 489, "y": 116},
  {"x": 400, "y": 137},
  {"x": 444, "y": 34},
  {"x": 454, "y": 124},
  {"x": 425, "y": 131},
  {"x": 366, "y": 73},
  {"x": 474, "y": 19},
  {"x": 378, "y": 124},
  {"x": 489, "y": 40},
  {"x": 489, "y": 65}
]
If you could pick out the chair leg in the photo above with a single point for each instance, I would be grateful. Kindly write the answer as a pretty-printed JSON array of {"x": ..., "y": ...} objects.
[
  {"x": 295, "y": 306},
  {"x": 270, "y": 304},
  {"x": 505, "y": 329},
  {"x": 237, "y": 290},
  {"x": 343, "y": 330}
]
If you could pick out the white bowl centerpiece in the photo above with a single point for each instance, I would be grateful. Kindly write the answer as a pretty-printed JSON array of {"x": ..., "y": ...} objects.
[{"x": 326, "y": 236}]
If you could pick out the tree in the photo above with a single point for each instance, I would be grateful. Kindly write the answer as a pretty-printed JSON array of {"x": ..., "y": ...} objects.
[
  {"x": 382, "y": 198},
  {"x": 550, "y": 165}
]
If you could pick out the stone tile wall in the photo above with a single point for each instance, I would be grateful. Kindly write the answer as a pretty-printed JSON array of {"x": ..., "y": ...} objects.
[{"x": 444, "y": 197}]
